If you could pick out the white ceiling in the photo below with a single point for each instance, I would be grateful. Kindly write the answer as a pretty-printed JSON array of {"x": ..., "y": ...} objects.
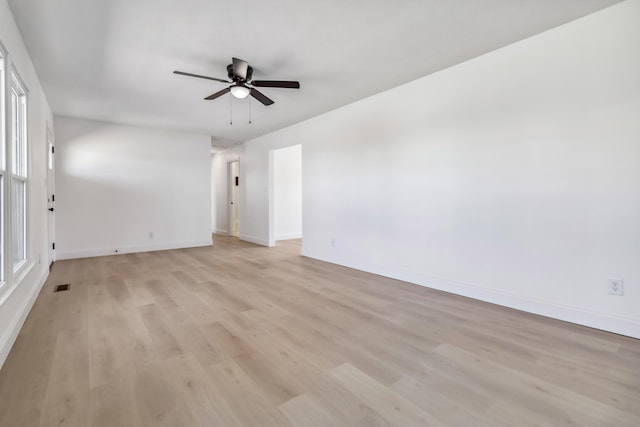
[{"x": 112, "y": 60}]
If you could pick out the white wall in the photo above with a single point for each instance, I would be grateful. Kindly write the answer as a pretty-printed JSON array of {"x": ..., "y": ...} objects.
[
  {"x": 512, "y": 178},
  {"x": 115, "y": 184},
  {"x": 19, "y": 294},
  {"x": 287, "y": 193}
]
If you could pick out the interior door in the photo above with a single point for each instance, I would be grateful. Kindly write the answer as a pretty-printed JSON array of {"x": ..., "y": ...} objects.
[
  {"x": 51, "y": 198},
  {"x": 234, "y": 192}
]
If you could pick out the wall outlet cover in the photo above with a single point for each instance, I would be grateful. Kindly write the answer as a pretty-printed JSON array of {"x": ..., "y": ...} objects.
[{"x": 616, "y": 286}]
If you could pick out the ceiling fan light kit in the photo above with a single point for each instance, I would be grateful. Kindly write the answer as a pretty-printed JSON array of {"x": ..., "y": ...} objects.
[
  {"x": 241, "y": 75},
  {"x": 240, "y": 91}
]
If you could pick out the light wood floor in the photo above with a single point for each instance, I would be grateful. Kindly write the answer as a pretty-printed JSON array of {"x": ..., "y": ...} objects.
[{"x": 241, "y": 335}]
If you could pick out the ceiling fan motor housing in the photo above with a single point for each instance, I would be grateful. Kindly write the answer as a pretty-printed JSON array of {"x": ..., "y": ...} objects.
[{"x": 238, "y": 78}]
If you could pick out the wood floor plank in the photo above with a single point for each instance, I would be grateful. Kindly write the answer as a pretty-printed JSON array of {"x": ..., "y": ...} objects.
[
  {"x": 246, "y": 399},
  {"x": 67, "y": 400},
  {"x": 305, "y": 411},
  {"x": 204, "y": 400},
  {"x": 447, "y": 409},
  {"x": 23, "y": 387},
  {"x": 157, "y": 401},
  {"x": 164, "y": 338},
  {"x": 113, "y": 405},
  {"x": 391, "y": 405},
  {"x": 140, "y": 294},
  {"x": 551, "y": 403},
  {"x": 276, "y": 384},
  {"x": 107, "y": 362}
]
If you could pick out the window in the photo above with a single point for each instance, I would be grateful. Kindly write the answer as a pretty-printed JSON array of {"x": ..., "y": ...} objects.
[
  {"x": 2, "y": 164},
  {"x": 15, "y": 262},
  {"x": 19, "y": 173}
]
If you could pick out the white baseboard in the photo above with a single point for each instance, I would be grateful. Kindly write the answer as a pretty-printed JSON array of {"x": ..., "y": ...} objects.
[
  {"x": 88, "y": 253},
  {"x": 577, "y": 315},
  {"x": 256, "y": 240},
  {"x": 289, "y": 236},
  {"x": 13, "y": 328},
  {"x": 221, "y": 231}
]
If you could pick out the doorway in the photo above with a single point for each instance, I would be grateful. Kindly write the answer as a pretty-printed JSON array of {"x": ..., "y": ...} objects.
[
  {"x": 234, "y": 197},
  {"x": 51, "y": 197},
  {"x": 285, "y": 201}
]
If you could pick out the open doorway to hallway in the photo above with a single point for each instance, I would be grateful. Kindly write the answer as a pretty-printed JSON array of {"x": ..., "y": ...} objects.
[{"x": 286, "y": 201}]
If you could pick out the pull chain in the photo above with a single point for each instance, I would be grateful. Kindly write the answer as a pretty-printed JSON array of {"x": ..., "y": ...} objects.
[
  {"x": 231, "y": 110},
  {"x": 249, "y": 110}
]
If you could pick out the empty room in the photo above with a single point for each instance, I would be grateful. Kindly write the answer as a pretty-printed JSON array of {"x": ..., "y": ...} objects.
[{"x": 319, "y": 213}]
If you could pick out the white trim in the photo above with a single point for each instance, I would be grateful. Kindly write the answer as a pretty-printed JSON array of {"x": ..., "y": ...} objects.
[
  {"x": 50, "y": 191},
  {"x": 89, "y": 253},
  {"x": 22, "y": 271},
  {"x": 221, "y": 231},
  {"x": 270, "y": 197},
  {"x": 289, "y": 236},
  {"x": 257, "y": 240},
  {"x": 580, "y": 316},
  {"x": 4, "y": 186},
  {"x": 23, "y": 172},
  {"x": 15, "y": 325},
  {"x": 9, "y": 287}
]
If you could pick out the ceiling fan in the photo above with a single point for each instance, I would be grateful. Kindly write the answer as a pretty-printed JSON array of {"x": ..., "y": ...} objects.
[{"x": 241, "y": 73}]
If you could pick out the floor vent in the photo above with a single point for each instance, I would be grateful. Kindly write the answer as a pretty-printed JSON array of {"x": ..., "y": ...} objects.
[{"x": 61, "y": 288}]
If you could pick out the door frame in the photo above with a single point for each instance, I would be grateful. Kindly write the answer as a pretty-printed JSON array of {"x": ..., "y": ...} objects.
[{"x": 51, "y": 189}]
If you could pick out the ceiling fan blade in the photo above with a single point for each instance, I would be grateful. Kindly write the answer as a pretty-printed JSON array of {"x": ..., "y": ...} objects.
[
  {"x": 276, "y": 83},
  {"x": 218, "y": 94},
  {"x": 182, "y": 73},
  {"x": 240, "y": 68},
  {"x": 261, "y": 97}
]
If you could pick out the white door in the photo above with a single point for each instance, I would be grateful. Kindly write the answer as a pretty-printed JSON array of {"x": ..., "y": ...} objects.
[
  {"x": 234, "y": 193},
  {"x": 51, "y": 214}
]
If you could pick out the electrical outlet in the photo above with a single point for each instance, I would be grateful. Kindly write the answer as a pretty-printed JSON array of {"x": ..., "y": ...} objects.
[
  {"x": 151, "y": 234},
  {"x": 616, "y": 286},
  {"x": 333, "y": 243}
]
